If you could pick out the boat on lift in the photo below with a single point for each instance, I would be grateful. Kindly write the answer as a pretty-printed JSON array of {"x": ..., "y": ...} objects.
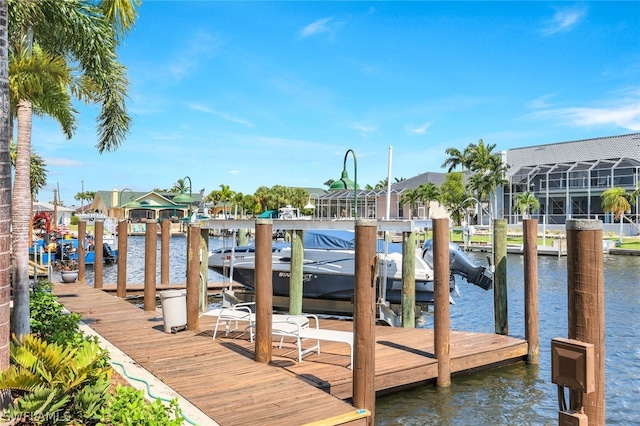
[{"x": 329, "y": 267}]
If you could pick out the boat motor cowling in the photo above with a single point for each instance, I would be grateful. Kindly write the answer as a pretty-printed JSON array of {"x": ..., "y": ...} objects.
[{"x": 460, "y": 264}]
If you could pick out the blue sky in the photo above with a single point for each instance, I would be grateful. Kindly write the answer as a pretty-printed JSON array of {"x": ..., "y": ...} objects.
[{"x": 267, "y": 93}]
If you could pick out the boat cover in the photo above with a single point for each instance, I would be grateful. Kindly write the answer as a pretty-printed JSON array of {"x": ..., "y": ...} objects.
[{"x": 340, "y": 240}]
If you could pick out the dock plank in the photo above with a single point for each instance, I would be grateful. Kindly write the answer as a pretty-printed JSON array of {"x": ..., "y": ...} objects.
[
  {"x": 215, "y": 376},
  {"x": 223, "y": 380}
]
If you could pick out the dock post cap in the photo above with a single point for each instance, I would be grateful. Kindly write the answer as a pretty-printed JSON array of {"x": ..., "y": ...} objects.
[{"x": 583, "y": 224}]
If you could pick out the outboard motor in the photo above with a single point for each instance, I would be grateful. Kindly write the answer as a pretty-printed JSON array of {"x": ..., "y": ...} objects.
[
  {"x": 109, "y": 256},
  {"x": 460, "y": 264}
]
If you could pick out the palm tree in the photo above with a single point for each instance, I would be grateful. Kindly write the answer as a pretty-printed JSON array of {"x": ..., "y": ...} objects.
[
  {"x": 85, "y": 196},
  {"x": 5, "y": 198},
  {"x": 616, "y": 201},
  {"x": 427, "y": 192},
  {"x": 526, "y": 203},
  {"x": 261, "y": 197},
  {"x": 487, "y": 166},
  {"x": 226, "y": 196},
  {"x": 410, "y": 196},
  {"x": 62, "y": 49},
  {"x": 456, "y": 158},
  {"x": 38, "y": 177},
  {"x": 180, "y": 186}
]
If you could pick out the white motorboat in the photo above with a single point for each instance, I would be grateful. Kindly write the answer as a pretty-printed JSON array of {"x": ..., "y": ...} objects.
[{"x": 329, "y": 266}]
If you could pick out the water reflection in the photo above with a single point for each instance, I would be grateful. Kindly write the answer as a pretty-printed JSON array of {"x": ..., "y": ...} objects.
[
  {"x": 523, "y": 394},
  {"x": 520, "y": 394},
  {"x": 135, "y": 262}
]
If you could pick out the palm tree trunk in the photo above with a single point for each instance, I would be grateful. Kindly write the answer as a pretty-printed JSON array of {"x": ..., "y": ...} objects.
[
  {"x": 20, "y": 208},
  {"x": 5, "y": 199}
]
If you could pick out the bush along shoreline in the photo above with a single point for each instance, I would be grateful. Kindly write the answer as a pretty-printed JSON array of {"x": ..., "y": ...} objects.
[{"x": 59, "y": 376}]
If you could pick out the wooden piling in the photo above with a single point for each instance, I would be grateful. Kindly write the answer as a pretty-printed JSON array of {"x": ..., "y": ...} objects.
[
  {"x": 408, "y": 279},
  {"x": 193, "y": 277},
  {"x": 165, "y": 234},
  {"x": 585, "y": 279},
  {"x": 123, "y": 240},
  {"x": 442, "y": 321},
  {"x": 530, "y": 254},
  {"x": 204, "y": 269},
  {"x": 501, "y": 317},
  {"x": 150, "y": 254},
  {"x": 295, "y": 275},
  {"x": 243, "y": 237},
  {"x": 264, "y": 289},
  {"x": 364, "y": 318},
  {"x": 98, "y": 265},
  {"x": 82, "y": 232}
]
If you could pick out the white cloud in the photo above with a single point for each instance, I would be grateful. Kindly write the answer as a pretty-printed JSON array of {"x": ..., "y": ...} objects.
[
  {"x": 564, "y": 20},
  {"x": 63, "y": 162},
  {"x": 417, "y": 130},
  {"x": 197, "y": 50},
  {"x": 540, "y": 102},
  {"x": 318, "y": 27},
  {"x": 364, "y": 129},
  {"x": 223, "y": 115},
  {"x": 624, "y": 114}
]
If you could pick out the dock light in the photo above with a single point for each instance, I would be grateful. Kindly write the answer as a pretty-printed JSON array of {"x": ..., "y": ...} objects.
[
  {"x": 183, "y": 198},
  {"x": 346, "y": 183},
  {"x": 132, "y": 204}
]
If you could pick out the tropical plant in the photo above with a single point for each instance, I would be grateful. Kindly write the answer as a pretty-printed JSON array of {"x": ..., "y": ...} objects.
[
  {"x": 410, "y": 197},
  {"x": 85, "y": 196},
  {"x": 37, "y": 170},
  {"x": 49, "y": 322},
  {"x": 226, "y": 196},
  {"x": 59, "y": 382},
  {"x": 329, "y": 182},
  {"x": 180, "y": 186},
  {"x": 60, "y": 49},
  {"x": 526, "y": 202},
  {"x": 488, "y": 168},
  {"x": 128, "y": 407},
  {"x": 452, "y": 195},
  {"x": 617, "y": 201},
  {"x": 427, "y": 192}
]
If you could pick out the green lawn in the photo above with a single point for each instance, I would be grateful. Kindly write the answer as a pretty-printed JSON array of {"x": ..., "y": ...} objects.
[{"x": 632, "y": 243}]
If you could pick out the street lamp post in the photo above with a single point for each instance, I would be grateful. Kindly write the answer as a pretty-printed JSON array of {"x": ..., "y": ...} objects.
[
  {"x": 183, "y": 198},
  {"x": 310, "y": 206},
  {"x": 132, "y": 204},
  {"x": 344, "y": 182}
]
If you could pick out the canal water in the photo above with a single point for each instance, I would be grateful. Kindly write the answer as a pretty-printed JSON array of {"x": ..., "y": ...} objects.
[
  {"x": 523, "y": 394},
  {"x": 515, "y": 395},
  {"x": 135, "y": 262}
]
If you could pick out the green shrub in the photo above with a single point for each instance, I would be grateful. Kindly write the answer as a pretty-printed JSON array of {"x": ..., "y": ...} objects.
[
  {"x": 49, "y": 321},
  {"x": 74, "y": 220},
  {"x": 128, "y": 407},
  {"x": 56, "y": 384},
  {"x": 59, "y": 376}
]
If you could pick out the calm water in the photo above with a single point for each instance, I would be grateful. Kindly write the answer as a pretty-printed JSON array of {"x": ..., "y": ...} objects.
[
  {"x": 523, "y": 394},
  {"x": 516, "y": 395},
  {"x": 135, "y": 262}
]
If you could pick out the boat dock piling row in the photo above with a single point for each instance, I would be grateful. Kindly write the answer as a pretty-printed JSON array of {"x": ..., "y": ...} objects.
[{"x": 585, "y": 270}]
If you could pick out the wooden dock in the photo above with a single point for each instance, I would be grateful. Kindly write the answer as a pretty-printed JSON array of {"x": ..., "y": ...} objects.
[{"x": 222, "y": 379}]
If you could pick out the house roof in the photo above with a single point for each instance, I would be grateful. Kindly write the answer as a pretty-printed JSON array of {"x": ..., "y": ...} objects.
[
  {"x": 41, "y": 206},
  {"x": 435, "y": 178},
  {"x": 605, "y": 148},
  {"x": 139, "y": 195}
]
